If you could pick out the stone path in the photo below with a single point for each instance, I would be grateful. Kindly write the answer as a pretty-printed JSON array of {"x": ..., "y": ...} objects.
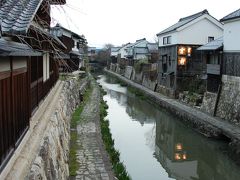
[{"x": 91, "y": 156}]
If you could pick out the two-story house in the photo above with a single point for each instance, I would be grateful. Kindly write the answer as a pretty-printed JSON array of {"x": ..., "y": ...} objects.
[
  {"x": 27, "y": 68},
  {"x": 71, "y": 59},
  {"x": 137, "y": 51},
  {"x": 114, "y": 54},
  {"x": 153, "y": 54},
  {"x": 179, "y": 61},
  {"x": 92, "y": 53},
  {"x": 231, "y": 39}
]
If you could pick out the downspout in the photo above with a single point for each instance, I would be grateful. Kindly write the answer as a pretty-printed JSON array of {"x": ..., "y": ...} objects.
[{"x": 220, "y": 86}]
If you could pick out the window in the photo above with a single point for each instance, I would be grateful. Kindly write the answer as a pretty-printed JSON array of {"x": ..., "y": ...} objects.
[
  {"x": 210, "y": 38},
  {"x": 164, "y": 63},
  {"x": 182, "y": 61},
  {"x": 167, "y": 40}
]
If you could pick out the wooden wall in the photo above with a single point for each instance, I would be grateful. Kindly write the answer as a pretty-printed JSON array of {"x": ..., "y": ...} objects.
[{"x": 14, "y": 106}]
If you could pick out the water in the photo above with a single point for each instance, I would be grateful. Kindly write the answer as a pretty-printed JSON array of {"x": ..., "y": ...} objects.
[{"x": 155, "y": 145}]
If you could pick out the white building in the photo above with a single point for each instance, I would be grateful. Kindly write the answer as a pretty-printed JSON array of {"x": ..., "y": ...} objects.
[
  {"x": 231, "y": 35},
  {"x": 196, "y": 29},
  {"x": 178, "y": 58}
]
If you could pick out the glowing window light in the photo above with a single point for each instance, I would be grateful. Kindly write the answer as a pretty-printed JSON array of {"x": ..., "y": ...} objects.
[
  {"x": 189, "y": 51},
  {"x": 178, "y": 156},
  {"x": 179, "y": 146},
  {"x": 182, "y": 61},
  {"x": 182, "y": 50},
  {"x": 184, "y": 156}
]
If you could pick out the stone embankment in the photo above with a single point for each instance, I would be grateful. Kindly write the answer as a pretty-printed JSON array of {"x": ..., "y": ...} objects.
[
  {"x": 52, "y": 159},
  {"x": 202, "y": 122},
  {"x": 44, "y": 151}
]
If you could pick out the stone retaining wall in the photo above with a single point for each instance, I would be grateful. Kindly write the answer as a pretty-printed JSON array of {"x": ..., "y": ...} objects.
[
  {"x": 52, "y": 159},
  {"x": 209, "y": 102},
  {"x": 148, "y": 83},
  {"x": 128, "y": 72},
  {"x": 229, "y": 101},
  {"x": 165, "y": 91}
]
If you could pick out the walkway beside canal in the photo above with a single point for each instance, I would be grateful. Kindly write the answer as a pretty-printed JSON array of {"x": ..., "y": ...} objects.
[
  {"x": 204, "y": 123},
  {"x": 91, "y": 155}
]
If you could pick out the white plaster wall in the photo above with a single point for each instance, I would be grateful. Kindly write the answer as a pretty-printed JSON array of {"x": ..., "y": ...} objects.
[
  {"x": 68, "y": 34},
  {"x": 75, "y": 45},
  {"x": 140, "y": 56},
  {"x": 114, "y": 53},
  {"x": 174, "y": 39},
  {"x": 4, "y": 64},
  {"x": 199, "y": 32},
  {"x": 142, "y": 44},
  {"x": 232, "y": 36},
  {"x": 19, "y": 62},
  {"x": 123, "y": 52},
  {"x": 45, "y": 66}
]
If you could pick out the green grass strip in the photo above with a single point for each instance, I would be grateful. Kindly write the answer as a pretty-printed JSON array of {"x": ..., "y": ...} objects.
[{"x": 118, "y": 167}]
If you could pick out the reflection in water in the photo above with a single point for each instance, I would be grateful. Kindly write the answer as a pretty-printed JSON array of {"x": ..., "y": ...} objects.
[{"x": 155, "y": 145}]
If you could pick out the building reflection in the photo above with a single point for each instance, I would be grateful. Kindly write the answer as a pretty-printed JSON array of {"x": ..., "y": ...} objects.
[{"x": 185, "y": 155}]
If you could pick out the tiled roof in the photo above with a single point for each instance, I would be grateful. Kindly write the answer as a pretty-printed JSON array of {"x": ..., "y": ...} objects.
[
  {"x": 10, "y": 48},
  {"x": 16, "y": 15},
  {"x": 152, "y": 47},
  {"x": 233, "y": 15},
  {"x": 183, "y": 21},
  {"x": 115, "y": 49},
  {"x": 58, "y": 31},
  {"x": 213, "y": 45}
]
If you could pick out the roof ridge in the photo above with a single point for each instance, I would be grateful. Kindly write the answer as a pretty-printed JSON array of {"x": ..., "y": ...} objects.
[
  {"x": 227, "y": 16},
  {"x": 205, "y": 11}
]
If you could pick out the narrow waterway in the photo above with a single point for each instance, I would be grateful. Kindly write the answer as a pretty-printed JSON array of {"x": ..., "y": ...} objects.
[{"x": 155, "y": 145}]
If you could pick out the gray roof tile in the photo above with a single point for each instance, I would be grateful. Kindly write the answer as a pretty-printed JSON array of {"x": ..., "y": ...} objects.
[
  {"x": 10, "y": 48},
  {"x": 16, "y": 15},
  {"x": 233, "y": 15},
  {"x": 213, "y": 45},
  {"x": 183, "y": 21}
]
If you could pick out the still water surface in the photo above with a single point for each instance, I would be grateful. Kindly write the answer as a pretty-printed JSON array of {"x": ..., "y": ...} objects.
[{"x": 155, "y": 145}]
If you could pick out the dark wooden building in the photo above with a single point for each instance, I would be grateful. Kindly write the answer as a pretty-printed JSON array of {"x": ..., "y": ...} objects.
[
  {"x": 27, "y": 68},
  {"x": 71, "y": 59},
  {"x": 179, "y": 61},
  {"x": 212, "y": 55}
]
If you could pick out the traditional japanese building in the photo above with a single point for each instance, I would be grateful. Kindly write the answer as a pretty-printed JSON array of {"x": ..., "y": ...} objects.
[
  {"x": 71, "y": 59},
  {"x": 27, "y": 67},
  {"x": 179, "y": 61}
]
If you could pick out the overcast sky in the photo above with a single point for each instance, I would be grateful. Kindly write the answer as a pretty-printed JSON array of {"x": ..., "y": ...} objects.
[{"x": 122, "y": 21}]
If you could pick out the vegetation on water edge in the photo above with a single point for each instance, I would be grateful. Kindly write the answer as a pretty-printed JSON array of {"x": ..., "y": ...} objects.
[
  {"x": 118, "y": 167},
  {"x": 73, "y": 164}
]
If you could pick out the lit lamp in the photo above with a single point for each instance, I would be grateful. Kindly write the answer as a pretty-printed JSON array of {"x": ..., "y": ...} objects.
[
  {"x": 182, "y": 61},
  {"x": 182, "y": 50},
  {"x": 189, "y": 51},
  {"x": 179, "y": 146},
  {"x": 184, "y": 156},
  {"x": 177, "y": 156}
]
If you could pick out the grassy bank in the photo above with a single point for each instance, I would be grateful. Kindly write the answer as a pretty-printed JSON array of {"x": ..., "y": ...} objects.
[
  {"x": 73, "y": 164},
  {"x": 118, "y": 167}
]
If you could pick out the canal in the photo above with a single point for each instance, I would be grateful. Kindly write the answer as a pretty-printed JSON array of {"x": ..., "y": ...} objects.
[{"x": 155, "y": 145}]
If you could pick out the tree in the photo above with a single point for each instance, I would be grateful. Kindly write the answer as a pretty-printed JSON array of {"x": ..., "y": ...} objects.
[{"x": 104, "y": 55}]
